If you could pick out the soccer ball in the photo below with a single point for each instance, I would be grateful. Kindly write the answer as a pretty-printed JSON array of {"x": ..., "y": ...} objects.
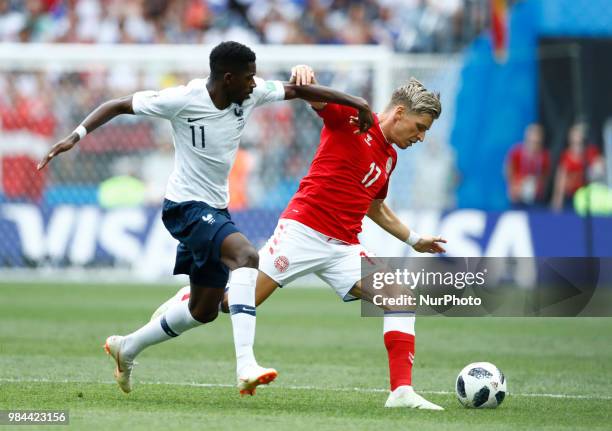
[{"x": 481, "y": 385}]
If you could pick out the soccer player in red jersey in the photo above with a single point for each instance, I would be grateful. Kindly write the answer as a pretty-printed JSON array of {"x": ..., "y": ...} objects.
[
  {"x": 317, "y": 232},
  {"x": 527, "y": 168}
]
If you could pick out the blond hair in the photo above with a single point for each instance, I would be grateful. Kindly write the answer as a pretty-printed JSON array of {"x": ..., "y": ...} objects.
[{"x": 414, "y": 96}]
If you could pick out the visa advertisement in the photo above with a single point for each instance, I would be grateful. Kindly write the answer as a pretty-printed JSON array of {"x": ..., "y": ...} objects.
[{"x": 134, "y": 238}]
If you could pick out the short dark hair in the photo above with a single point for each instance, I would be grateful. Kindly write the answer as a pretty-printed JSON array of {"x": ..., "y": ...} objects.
[{"x": 229, "y": 57}]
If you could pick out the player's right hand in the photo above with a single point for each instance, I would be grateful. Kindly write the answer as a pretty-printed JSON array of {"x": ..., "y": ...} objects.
[
  {"x": 302, "y": 74},
  {"x": 64, "y": 145}
]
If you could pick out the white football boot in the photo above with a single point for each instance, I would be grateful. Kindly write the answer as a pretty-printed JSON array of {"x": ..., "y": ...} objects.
[
  {"x": 252, "y": 376},
  {"x": 405, "y": 396},
  {"x": 123, "y": 370}
]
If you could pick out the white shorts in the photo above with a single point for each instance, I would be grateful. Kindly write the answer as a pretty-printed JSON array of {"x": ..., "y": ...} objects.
[{"x": 295, "y": 250}]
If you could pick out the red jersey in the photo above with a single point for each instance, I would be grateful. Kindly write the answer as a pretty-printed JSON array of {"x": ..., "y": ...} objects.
[
  {"x": 574, "y": 167},
  {"x": 525, "y": 165},
  {"x": 348, "y": 172}
]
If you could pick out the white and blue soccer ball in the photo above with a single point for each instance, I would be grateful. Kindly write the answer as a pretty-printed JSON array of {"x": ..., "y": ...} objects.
[{"x": 481, "y": 385}]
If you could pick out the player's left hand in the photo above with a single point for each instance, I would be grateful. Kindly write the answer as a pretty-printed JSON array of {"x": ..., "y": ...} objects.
[
  {"x": 302, "y": 74},
  {"x": 363, "y": 121},
  {"x": 430, "y": 244}
]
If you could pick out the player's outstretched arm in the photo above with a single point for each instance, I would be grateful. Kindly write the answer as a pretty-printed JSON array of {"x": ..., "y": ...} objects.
[
  {"x": 320, "y": 93},
  {"x": 103, "y": 113},
  {"x": 384, "y": 217}
]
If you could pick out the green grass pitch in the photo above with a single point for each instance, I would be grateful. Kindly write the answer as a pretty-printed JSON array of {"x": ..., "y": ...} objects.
[{"x": 332, "y": 365}]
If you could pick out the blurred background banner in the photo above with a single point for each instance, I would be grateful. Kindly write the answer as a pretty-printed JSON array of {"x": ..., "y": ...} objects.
[
  {"x": 90, "y": 237},
  {"x": 518, "y": 164}
]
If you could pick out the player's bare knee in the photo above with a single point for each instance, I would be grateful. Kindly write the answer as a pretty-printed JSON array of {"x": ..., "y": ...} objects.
[
  {"x": 251, "y": 258},
  {"x": 246, "y": 257},
  {"x": 207, "y": 317},
  {"x": 225, "y": 304},
  {"x": 203, "y": 313}
]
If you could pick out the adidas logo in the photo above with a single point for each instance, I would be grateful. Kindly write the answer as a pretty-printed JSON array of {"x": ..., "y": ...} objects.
[{"x": 208, "y": 218}]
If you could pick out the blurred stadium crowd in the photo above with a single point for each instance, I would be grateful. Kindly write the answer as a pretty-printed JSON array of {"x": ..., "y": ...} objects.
[
  {"x": 406, "y": 25},
  {"x": 37, "y": 108}
]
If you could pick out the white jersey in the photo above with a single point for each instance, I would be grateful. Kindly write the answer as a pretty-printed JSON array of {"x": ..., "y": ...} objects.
[{"x": 205, "y": 138}]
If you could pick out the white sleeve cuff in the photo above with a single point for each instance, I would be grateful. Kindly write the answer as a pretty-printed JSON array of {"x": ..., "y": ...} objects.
[{"x": 137, "y": 102}]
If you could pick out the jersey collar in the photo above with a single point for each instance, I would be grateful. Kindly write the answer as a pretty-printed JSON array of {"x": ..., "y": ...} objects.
[{"x": 381, "y": 130}]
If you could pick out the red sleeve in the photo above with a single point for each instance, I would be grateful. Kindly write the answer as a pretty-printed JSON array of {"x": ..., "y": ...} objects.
[
  {"x": 564, "y": 160},
  {"x": 336, "y": 116},
  {"x": 592, "y": 154},
  {"x": 383, "y": 192},
  {"x": 514, "y": 160}
]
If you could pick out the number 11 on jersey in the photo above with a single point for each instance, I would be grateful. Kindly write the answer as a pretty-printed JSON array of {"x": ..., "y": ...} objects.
[
  {"x": 371, "y": 181},
  {"x": 193, "y": 135}
]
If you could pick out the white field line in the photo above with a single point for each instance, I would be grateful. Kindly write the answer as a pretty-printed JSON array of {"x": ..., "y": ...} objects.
[{"x": 298, "y": 388}]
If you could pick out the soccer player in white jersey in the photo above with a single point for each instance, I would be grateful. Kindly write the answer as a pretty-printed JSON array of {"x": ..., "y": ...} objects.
[
  {"x": 208, "y": 117},
  {"x": 317, "y": 232}
]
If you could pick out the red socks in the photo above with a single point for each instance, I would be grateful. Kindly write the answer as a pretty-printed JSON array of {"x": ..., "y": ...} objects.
[{"x": 400, "y": 350}]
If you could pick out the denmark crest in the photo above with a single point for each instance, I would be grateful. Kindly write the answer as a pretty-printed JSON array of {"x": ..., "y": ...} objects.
[{"x": 281, "y": 263}]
